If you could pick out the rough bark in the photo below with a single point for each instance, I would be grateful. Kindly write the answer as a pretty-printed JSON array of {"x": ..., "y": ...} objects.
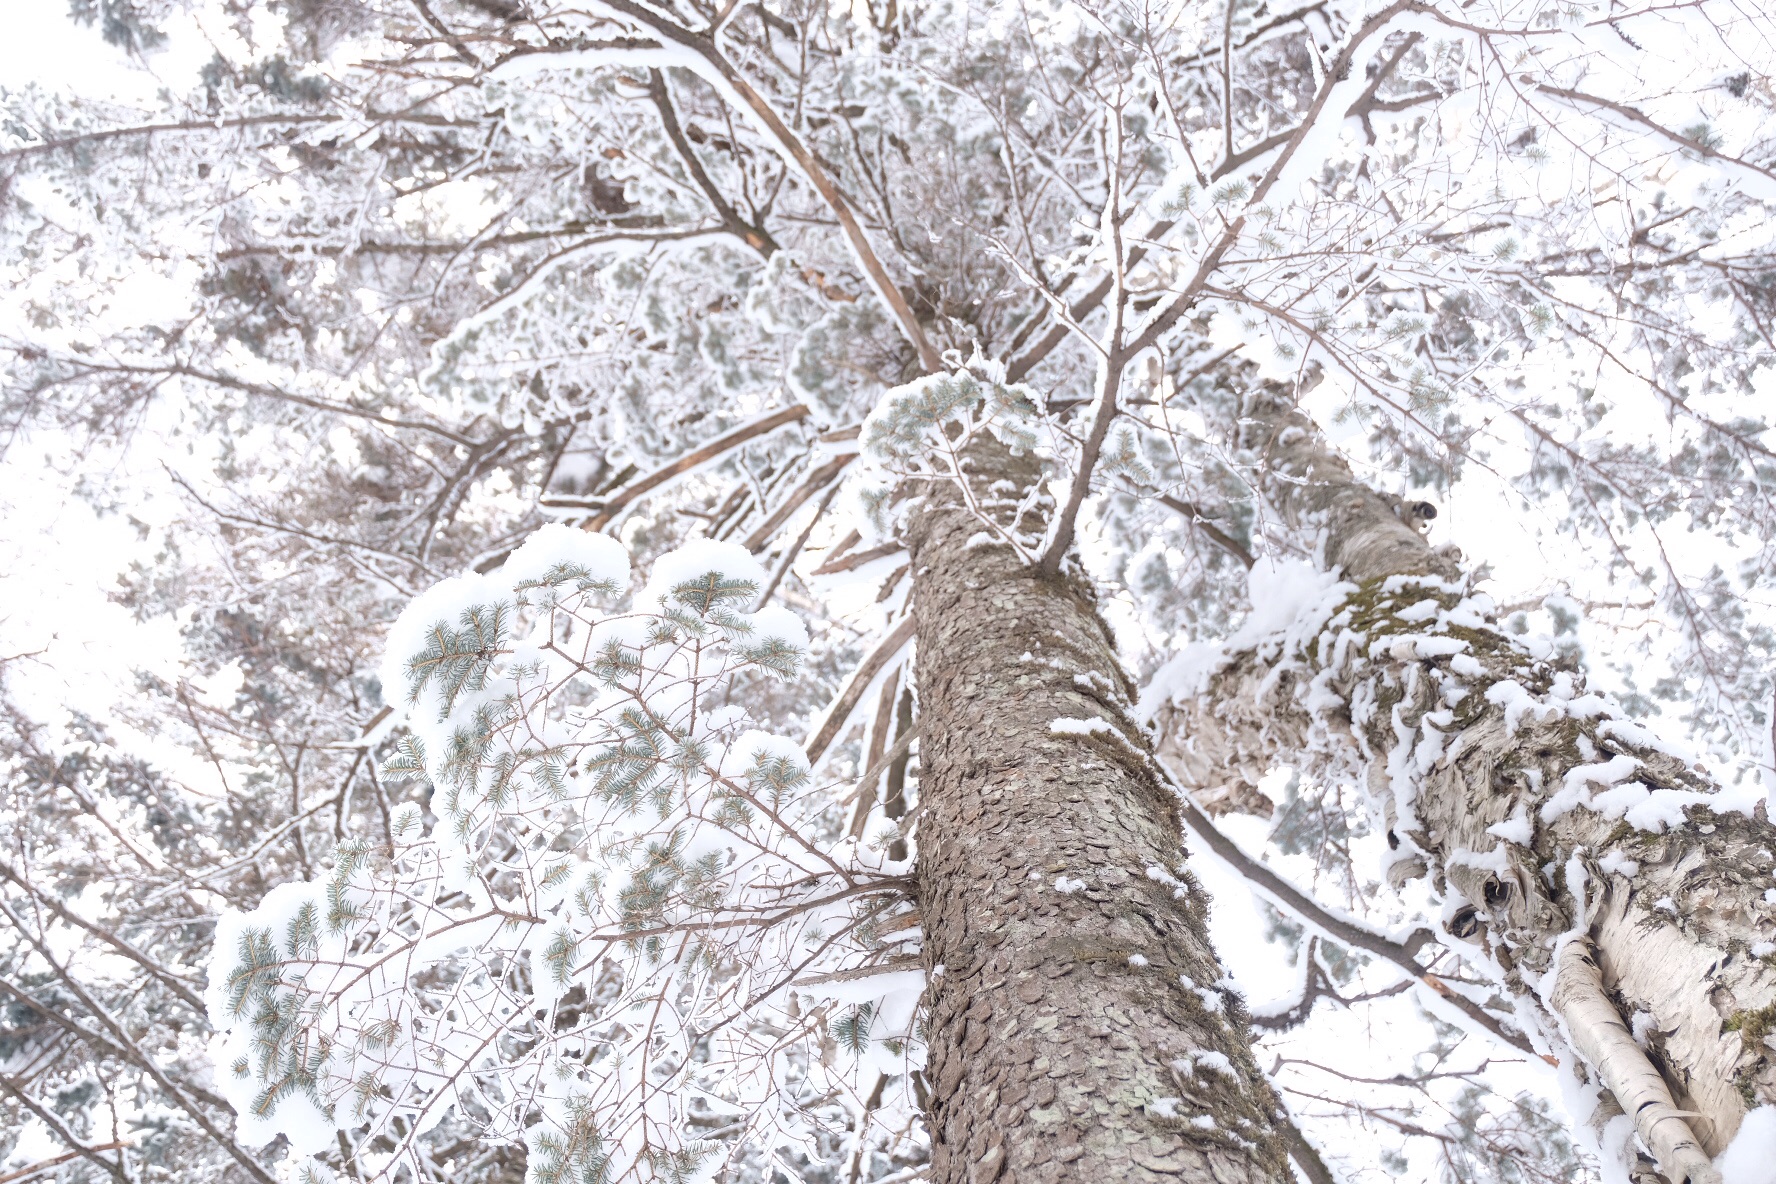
[
  {"x": 1077, "y": 1026},
  {"x": 1534, "y": 808}
]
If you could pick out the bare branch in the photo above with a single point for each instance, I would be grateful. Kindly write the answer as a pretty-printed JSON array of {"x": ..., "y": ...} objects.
[{"x": 838, "y": 713}]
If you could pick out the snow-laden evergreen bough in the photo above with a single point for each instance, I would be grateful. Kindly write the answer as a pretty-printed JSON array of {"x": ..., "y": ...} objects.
[{"x": 615, "y": 939}]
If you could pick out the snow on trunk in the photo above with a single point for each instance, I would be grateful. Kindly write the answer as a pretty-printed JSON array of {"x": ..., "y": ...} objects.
[
  {"x": 1555, "y": 830},
  {"x": 1079, "y": 1026}
]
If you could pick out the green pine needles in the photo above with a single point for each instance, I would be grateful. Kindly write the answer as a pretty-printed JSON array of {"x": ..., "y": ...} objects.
[
  {"x": 457, "y": 661},
  {"x": 592, "y": 929}
]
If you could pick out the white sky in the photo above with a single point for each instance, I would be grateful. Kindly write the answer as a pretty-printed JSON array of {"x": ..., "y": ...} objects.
[
  {"x": 42, "y": 45},
  {"x": 67, "y": 642}
]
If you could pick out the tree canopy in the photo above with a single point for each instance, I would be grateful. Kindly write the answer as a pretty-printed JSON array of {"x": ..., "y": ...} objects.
[{"x": 327, "y": 322}]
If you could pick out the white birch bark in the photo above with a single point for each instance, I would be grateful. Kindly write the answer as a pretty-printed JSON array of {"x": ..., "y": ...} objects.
[{"x": 1543, "y": 818}]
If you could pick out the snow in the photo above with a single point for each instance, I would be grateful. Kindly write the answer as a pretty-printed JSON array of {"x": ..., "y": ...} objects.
[
  {"x": 1467, "y": 666},
  {"x": 1424, "y": 610},
  {"x": 1574, "y": 789},
  {"x": 295, "y": 1116},
  {"x": 1215, "y": 1062},
  {"x": 694, "y": 560},
  {"x": 777, "y": 623},
  {"x": 1291, "y": 600},
  {"x": 445, "y": 601},
  {"x": 1632, "y": 733},
  {"x": 1211, "y": 1000},
  {"x": 1516, "y": 829},
  {"x": 1517, "y": 702},
  {"x": 275, "y": 912},
  {"x": 1416, "y": 647},
  {"x": 1066, "y": 886},
  {"x": 1185, "y": 674},
  {"x": 1751, "y": 1157},
  {"x": 1065, "y": 726},
  {"x": 556, "y": 547},
  {"x": 1663, "y": 810},
  {"x": 753, "y": 746}
]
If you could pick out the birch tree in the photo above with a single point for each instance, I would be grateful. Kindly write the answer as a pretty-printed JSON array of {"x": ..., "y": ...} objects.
[
  {"x": 942, "y": 298},
  {"x": 1613, "y": 889}
]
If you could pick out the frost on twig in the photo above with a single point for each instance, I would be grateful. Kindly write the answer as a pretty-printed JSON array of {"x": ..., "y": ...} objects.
[
  {"x": 920, "y": 433},
  {"x": 607, "y": 938}
]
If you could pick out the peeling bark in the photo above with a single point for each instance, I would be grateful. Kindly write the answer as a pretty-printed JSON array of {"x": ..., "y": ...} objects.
[
  {"x": 1076, "y": 1023},
  {"x": 1533, "y": 807},
  {"x": 1600, "y": 1036}
]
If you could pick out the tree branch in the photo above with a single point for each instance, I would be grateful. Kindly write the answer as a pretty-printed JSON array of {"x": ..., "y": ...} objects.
[
  {"x": 1344, "y": 930},
  {"x": 80, "y": 1150},
  {"x": 817, "y": 480},
  {"x": 838, "y": 713},
  {"x": 141, "y": 1058},
  {"x": 166, "y": 977},
  {"x": 755, "y": 237},
  {"x": 607, "y": 508},
  {"x": 719, "y": 70}
]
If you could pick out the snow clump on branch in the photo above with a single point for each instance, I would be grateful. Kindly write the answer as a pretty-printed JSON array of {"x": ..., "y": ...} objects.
[
  {"x": 596, "y": 944},
  {"x": 920, "y": 432}
]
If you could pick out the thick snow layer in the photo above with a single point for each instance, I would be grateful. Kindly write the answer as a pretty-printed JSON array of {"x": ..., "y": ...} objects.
[
  {"x": 776, "y": 623},
  {"x": 1291, "y": 598},
  {"x": 1187, "y": 673},
  {"x": 754, "y": 745},
  {"x": 695, "y": 559},
  {"x": 446, "y": 601},
  {"x": 296, "y": 1115},
  {"x": 558, "y": 547},
  {"x": 276, "y": 912},
  {"x": 1751, "y": 1157},
  {"x": 1517, "y": 702},
  {"x": 1515, "y": 829}
]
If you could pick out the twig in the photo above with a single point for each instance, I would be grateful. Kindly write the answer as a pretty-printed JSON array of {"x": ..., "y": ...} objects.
[
  {"x": 838, "y": 714},
  {"x": 608, "y": 507},
  {"x": 1341, "y": 929},
  {"x": 54, "y": 1123},
  {"x": 794, "y": 549}
]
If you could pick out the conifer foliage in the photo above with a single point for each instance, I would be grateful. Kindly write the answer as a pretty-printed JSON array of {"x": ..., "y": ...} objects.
[{"x": 610, "y": 941}]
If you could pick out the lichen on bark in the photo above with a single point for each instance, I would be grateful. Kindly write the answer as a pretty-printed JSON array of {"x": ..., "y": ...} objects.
[{"x": 1539, "y": 814}]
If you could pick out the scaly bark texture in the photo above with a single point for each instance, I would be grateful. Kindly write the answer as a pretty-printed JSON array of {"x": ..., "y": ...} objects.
[
  {"x": 1077, "y": 1026},
  {"x": 1554, "y": 828}
]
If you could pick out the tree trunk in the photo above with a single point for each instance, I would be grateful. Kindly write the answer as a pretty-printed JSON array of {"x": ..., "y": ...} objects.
[
  {"x": 1078, "y": 1028},
  {"x": 1557, "y": 831}
]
